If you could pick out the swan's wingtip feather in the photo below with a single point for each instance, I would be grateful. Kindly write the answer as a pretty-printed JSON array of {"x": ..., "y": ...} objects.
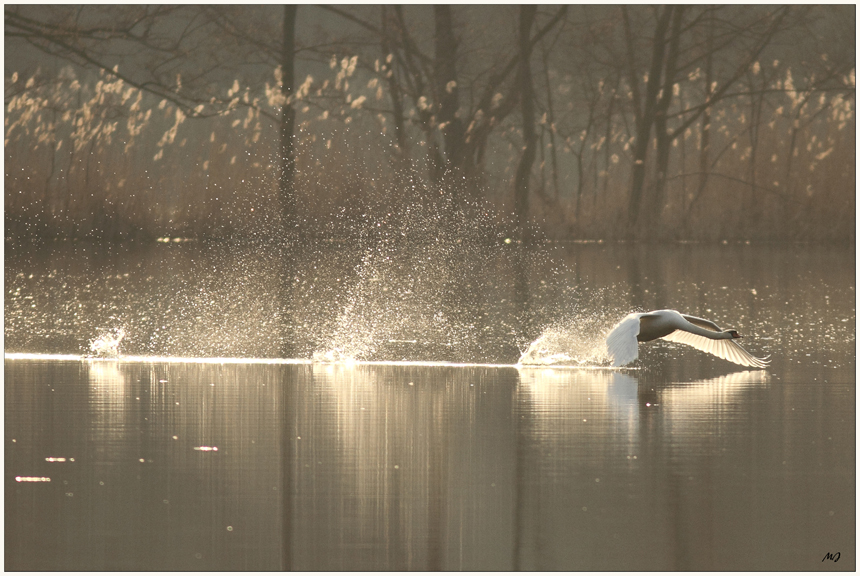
[{"x": 621, "y": 343}]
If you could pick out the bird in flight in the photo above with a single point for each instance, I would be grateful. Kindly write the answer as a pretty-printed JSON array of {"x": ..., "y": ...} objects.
[{"x": 622, "y": 342}]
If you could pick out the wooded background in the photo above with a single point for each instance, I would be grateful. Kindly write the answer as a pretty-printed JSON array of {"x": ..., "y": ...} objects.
[{"x": 570, "y": 122}]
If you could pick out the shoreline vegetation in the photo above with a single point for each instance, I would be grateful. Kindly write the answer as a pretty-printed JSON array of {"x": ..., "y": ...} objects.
[{"x": 90, "y": 155}]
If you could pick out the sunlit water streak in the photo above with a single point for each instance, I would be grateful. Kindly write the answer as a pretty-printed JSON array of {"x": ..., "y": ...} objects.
[{"x": 296, "y": 361}]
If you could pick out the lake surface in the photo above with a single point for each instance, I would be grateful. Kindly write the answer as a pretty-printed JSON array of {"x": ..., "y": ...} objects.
[{"x": 401, "y": 435}]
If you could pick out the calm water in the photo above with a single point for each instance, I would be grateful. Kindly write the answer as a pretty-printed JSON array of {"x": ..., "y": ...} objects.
[{"x": 683, "y": 461}]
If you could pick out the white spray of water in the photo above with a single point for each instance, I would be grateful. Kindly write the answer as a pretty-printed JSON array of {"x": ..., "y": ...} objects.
[
  {"x": 576, "y": 340},
  {"x": 107, "y": 344},
  {"x": 413, "y": 294}
]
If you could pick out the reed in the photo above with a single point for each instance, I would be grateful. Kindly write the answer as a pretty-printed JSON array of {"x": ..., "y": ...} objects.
[{"x": 94, "y": 158}]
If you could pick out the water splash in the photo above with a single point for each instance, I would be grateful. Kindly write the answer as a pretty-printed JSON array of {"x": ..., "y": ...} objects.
[
  {"x": 426, "y": 286},
  {"x": 337, "y": 354},
  {"x": 107, "y": 344},
  {"x": 578, "y": 340}
]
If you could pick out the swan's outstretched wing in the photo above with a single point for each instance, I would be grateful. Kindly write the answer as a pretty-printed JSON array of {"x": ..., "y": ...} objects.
[
  {"x": 725, "y": 349},
  {"x": 702, "y": 323},
  {"x": 621, "y": 343}
]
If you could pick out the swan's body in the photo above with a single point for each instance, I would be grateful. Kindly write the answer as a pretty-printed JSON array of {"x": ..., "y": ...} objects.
[{"x": 623, "y": 342}]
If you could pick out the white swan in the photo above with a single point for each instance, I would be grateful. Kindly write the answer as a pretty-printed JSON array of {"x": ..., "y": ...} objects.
[{"x": 623, "y": 342}]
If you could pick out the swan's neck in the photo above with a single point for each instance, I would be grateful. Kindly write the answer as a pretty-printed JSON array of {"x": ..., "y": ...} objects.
[{"x": 708, "y": 333}]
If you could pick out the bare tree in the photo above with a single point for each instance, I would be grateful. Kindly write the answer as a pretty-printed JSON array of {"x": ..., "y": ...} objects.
[
  {"x": 177, "y": 53},
  {"x": 447, "y": 90},
  {"x": 644, "y": 105},
  {"x": 615, "y": 94},
  {"x": 435, "y": 87},
  {"x": 526, "y": 89},
  {"x": 652, "y": 108},
  {"x": 395, "y": 92}
]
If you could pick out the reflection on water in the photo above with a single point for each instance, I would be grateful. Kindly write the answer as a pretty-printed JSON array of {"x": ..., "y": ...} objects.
[
  {"x": 618, "y": 475},
  {"x": 157, "y": 466},
  {"x": 138, "y": 494},
  {"x": 402, "y": 469},
  {"x": 153, "y": 462}
]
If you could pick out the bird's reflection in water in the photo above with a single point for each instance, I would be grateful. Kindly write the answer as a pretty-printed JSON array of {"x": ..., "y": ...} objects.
[{"x": 599, "y": 454}]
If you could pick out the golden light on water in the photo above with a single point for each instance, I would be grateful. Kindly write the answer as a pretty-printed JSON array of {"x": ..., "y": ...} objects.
[{"x": 346, "y": 363}]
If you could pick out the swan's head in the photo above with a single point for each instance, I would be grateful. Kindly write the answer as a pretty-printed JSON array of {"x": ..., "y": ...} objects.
[{"x": 734, "y": 334}]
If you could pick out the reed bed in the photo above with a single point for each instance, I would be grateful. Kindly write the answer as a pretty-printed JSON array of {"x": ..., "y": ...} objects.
[{"x": 93, "y": 158}]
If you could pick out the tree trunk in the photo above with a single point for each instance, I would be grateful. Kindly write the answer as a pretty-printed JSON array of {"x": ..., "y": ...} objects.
[
  {"x": 580, "y": 177},
  {"x": 664, "y": 138},
  {"x": 705, "y": 145},
  {"x": 396, "y": 94},
  {"x": 644, "y": 111},
  {"x": 287, "y": 158},
  {"x": 607, "y": 157},
  {"x": 447, "y": 91},
  {"x": 415, "y": 75},
  {"x": 550, "y": 120},
  {"x": 753, "y": 211},
  {"x": 521, "y": 190}
]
